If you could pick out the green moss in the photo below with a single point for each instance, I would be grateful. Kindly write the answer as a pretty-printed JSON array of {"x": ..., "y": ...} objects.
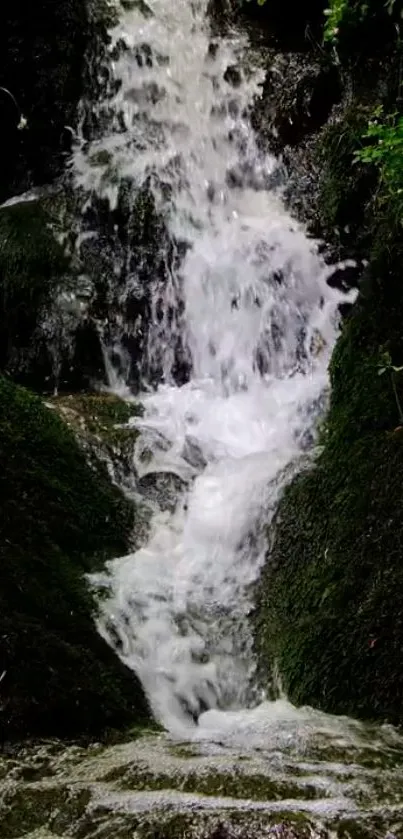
[
  {"x": 103, "y": 417},
  {"x": 28, "y": 809},
  {"x": 329, "y": 613},
  {"x": 183, "y": 751},
  {"x": 170, "y": 827},
  {"x": 205, "y": 826},
  {"x": 330, "y": 610},
  {"x": 60, "y": 519},
  {"x": 214, "y": 783}
]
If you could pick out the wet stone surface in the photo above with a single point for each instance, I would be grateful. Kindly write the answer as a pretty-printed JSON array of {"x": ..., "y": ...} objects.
[{"x": 155, "y": 786}]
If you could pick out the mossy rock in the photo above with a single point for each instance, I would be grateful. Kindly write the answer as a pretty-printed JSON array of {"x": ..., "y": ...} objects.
[
  {"x": 61, "y": 519},
  {"x": 101, "y": 419},
  {"x": 101, "y": 425},
  {"x": 330, "y": 612}
]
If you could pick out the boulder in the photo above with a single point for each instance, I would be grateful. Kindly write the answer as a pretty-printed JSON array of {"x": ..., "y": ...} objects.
[{"x": 61, "y": 519}]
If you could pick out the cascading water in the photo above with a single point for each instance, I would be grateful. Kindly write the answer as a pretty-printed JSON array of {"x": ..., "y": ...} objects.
[{"x": 257, "y": 321}]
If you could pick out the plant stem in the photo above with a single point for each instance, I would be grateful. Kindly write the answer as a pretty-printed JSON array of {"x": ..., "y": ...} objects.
[{"x": 398, "y": 403}]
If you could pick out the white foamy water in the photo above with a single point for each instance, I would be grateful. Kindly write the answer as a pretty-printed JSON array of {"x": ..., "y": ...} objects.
[{"x": 259, "y": 323}]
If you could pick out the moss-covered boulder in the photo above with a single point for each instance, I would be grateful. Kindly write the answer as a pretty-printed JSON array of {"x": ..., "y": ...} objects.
[
  {"x": 101, "y": 421},
  {"x": 102, "y": 425},
  {"x": 61, "y": 518},
  {"x": 330, "y": 612}
]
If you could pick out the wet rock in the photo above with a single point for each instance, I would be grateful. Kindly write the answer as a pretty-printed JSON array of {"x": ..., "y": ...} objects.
[
  {"x": 346, "y": 277},
  {"x": 212, "y": 50},
  {"x": 101, "y": 424},
  {"x": 233, "y": 76},
  {"x": 192, "y": 454},
  {"x": 148, "y": 93},
  {"x": 128, "y": 258},
  {"x": 50, "y": 340},
  {"x": 289, "y": 20},
  {"x": 233, "y": 108},
  {"x": 141, "y": 5},
  {"x": 345, "y": 309},
  {"x": 287, "y": 112},
  {"x": 43, "y": 52},
  {"x": 162, "y": 488},
  {"x": 252, "y": 175}
]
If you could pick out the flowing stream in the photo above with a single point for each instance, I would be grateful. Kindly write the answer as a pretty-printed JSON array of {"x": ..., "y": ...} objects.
[{"x": 247, "y": 302}]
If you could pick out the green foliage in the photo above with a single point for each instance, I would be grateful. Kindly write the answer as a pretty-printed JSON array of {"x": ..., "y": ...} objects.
[
  {"x": 334, "y": 17},
  {"x": 386, "y": 365},
  {"x": 351, "y": 21},
  {"x": 383, "y": 148},
  {"x": 60, "y": 519}
]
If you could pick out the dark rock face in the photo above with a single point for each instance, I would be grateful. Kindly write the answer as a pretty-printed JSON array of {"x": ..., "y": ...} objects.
[
  {"x": 42, "y": 63},
  {"x": 45, "y": 64},
  {"x": 62, "y": 307},
  {"x": 301, "y": 106},
  {"x": 129, "y": 259},
  {"x": 300, "y": 94},
  {"x": 66, "y": 308},
  {"x": 61, "y": 518},
  {"x": 289, "y": 21},
  {"x": 45, "y": 342}
]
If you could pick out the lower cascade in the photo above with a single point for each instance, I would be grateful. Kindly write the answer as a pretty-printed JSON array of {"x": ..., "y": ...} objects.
[{"x": 215, "y": 328}]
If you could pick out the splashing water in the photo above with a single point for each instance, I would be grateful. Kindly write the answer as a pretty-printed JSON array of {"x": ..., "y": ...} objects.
[{"x": 258, "y": 323}]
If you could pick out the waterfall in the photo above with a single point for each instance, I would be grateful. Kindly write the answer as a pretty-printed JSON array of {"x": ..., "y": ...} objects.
[{"x": 247, "y": 299}]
